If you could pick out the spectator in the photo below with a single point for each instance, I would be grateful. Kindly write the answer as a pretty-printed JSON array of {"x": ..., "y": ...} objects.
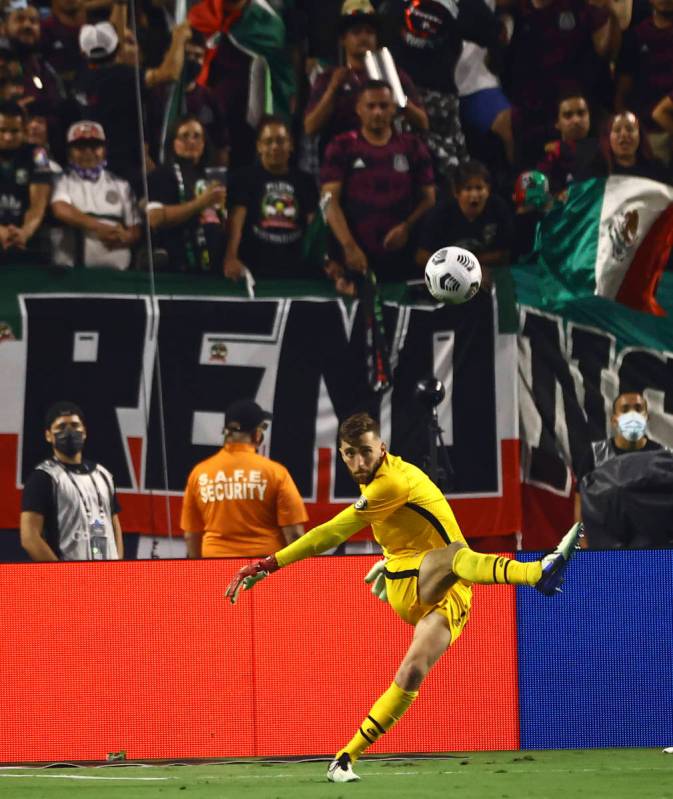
[
  {"x": 25, "y": 184},
  {"x": 629, "y": 428},
  {"x": 663, "y": 116},
  {"x": 331, "y": 106},
  {"x": 271, "y": 205},
  {"x": 645, "y": 71},
  {"x": 185, "y": 206},
  {"x": 98, "y": 209},
  {"x": 239, "y": 503},
  {"x": 378, "y": 184},
  {"x": 201, "y": 103},
  {"x": 40, "y": 81},
  {"x": 248, "y": 53},
  {"x": 623, "y": 151},
  {"x": 557, "y": 45},
  {"x": 60, "y": 39},
  {"x": 483, "y": 106},
  {"x": 69, "y": 509},
  {"x": 473, "y": 218},
  {"x": 426, "y": 39},
  {"x": 563, "y": 156},
  {"x": 106, "y": 91}
]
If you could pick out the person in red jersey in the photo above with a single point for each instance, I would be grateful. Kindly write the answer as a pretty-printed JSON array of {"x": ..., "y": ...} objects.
[
  {"x": 558, "y": 45},
  {"x": 331, "y": 106},
  {"x": 376, "y": 184}
]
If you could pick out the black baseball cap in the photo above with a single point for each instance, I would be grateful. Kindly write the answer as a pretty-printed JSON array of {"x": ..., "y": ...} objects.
[
  {"x": 244, "y": 416},
  {"x": 358, "y": 12}
]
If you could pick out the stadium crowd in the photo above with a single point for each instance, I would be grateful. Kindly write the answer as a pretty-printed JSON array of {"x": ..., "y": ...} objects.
[{"x": 280, "y": 129}]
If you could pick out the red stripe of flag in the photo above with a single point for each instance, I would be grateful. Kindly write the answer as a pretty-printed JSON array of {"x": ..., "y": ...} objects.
[{"x": 643, "y": 275}]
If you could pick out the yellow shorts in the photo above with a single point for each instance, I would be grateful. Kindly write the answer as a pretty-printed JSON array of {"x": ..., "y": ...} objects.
[{"x": 402, "y": 589}]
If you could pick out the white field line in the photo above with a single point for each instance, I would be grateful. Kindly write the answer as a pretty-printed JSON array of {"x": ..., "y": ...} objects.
[
  {"x": 84, "y": 777},
  {"x": 366, "y": 773}
]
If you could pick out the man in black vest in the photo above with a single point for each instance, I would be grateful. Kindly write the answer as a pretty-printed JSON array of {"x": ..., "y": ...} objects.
[{"x": 69, "y": 509}]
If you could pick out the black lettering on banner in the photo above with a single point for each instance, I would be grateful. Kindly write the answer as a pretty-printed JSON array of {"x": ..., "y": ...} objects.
[
  {"x": 106, "y": 378},
  {"x": 316, "y": 343},
  {"x": 594, "y": 353},
  {"x": 549, "y": 368},
  {"x": 189, "y": 386}
]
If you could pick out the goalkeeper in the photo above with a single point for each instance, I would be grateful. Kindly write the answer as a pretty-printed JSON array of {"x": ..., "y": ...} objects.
[{"x": 428, "y": 568}]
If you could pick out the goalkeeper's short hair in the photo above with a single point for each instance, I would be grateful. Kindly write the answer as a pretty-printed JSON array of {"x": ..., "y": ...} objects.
[{"x": 353, "y": 428}]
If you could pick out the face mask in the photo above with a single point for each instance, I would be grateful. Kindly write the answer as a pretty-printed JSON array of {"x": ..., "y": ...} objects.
[
  {"x": 632, "y": 425},
  {"x": 69, "y": 442}
]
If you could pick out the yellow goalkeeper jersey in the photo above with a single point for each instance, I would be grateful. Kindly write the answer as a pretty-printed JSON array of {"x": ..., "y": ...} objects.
[{"x": 406, "y": 510}]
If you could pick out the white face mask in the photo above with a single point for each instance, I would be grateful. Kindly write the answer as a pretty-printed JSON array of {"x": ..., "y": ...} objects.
[{"x": 632, "y": 425}]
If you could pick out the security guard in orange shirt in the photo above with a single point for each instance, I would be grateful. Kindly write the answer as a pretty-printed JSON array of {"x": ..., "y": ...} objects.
[{"x": 239, "y": 503}]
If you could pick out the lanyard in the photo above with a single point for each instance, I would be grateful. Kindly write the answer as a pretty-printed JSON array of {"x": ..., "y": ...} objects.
[
  {"x": 83, "y": 499},
  {"x": 199, "y": 231}
]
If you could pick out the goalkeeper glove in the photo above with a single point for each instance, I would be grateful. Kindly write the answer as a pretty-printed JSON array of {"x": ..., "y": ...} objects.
[
  {"x": 250, "y": 575},
  {"x": 377, "y": 578}
]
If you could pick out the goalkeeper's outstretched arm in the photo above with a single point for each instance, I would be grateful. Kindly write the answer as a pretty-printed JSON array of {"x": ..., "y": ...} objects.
[{"x": 319, "y": 539}]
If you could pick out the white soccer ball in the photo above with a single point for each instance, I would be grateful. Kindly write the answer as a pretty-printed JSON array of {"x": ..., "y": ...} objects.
[{"x": 453, "y": 275}]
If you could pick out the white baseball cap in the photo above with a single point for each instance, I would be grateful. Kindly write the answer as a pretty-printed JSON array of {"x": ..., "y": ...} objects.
[{"x": 98, "y": 41}]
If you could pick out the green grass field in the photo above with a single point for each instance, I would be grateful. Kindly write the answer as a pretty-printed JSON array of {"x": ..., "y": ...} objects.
[{"x": 609, "y": 773}]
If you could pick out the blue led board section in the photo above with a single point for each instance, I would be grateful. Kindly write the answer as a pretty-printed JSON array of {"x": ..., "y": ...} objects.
[{"x": 596, "y": 662}]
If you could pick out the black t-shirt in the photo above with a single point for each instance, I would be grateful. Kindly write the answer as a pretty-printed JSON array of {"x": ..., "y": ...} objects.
[
  {"x": 446, "y": 225},
  {"x": 426, "y": 36},
  {"x": 277, "y": 207},
  {"x": 39, "y": 497},
  {"x": 18, "y": 169},
  {"x": 589, "y": 463},
  {"x": 198, "y": 244}
]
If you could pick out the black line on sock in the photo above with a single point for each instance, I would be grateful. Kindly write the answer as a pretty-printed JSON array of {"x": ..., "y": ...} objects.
[
  {"x": 365, "y": 736},
  {"x": 376, "y": 724},
  {"x": 495, "y": 565},
  {"x": 507, "y": 563},
  {"x": 430, "y": 517}
]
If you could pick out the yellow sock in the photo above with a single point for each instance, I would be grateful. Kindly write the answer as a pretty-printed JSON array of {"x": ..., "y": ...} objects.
[
  {"x": 386, "y": 711},
  {"x": 479, "y": 568}
]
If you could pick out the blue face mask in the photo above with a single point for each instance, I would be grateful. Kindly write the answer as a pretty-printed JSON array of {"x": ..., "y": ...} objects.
[{"x": 632, "y": 425}]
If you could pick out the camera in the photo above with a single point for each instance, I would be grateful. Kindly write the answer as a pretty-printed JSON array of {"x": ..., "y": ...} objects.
[{"x": 429, "y": 392}]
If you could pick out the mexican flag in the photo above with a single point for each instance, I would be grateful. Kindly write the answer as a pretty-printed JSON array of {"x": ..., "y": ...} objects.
[
  {"x": 612, "y": 238},
  {"x": 258, "y": 30}
]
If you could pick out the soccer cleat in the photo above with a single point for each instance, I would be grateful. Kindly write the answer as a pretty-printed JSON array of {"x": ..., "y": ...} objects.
[
  {"x": 341, "y": 770},
  {"x": 555, "y": 563}
]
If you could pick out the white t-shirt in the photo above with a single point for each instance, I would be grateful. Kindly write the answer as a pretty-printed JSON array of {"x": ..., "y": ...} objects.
[
  {"x": 472, "y": 75},
  {"x": 111, "y": 200}
]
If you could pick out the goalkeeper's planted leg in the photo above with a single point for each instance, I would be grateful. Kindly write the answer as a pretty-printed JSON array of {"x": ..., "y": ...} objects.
[{"x": 431, "y": 639}]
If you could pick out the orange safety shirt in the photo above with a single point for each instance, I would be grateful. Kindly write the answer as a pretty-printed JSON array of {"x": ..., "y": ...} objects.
[{"x": 239, "y": 500}]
